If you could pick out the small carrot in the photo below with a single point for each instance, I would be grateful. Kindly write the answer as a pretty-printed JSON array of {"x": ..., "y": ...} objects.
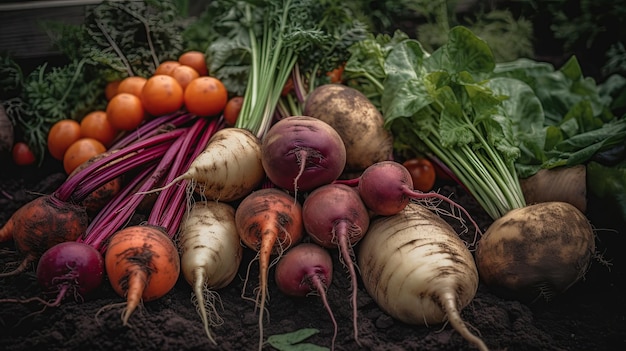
[
  {"x": 39, "y": 225},
  {"x": 268, "y": 221},
  {"x": 142, "y": 263}
]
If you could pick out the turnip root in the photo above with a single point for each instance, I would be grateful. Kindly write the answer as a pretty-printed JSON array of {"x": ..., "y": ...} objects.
[
  {"x": 334, "y": 216},
  {"x": 536, "y": 251},
  {"x": 566, "y": 184},
  {"x": 210, "y": 254},
  {"x": 307, "y": 269},
  {"x": 229, "y": 168},
  {"x": 418, "y": 270},
  {"x": 301, "y": 153},
  {"x": 356, "y": 119}
]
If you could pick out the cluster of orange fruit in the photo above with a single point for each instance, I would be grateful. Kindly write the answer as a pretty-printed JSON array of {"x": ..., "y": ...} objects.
[{"x": 175, "y": 84}]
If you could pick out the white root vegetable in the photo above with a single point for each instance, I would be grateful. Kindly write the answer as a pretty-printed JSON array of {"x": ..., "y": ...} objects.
[
  {"x": 210, "y": 253},
  {"x": 537, "y": 251},
  {"x": 229, "y": 168},
  {"x": 418, "y": 270}
]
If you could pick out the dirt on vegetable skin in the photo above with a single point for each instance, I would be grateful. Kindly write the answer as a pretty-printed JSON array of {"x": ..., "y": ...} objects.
[{"x": 589, "y": 316}]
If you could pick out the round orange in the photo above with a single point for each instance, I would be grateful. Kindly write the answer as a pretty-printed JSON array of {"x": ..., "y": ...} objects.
[
  {"x": 161, "y": 95},
  {"x": 196, "y": 60},
  {"x": 111, "y": 89},
  {"x": 96, "y": 125},
  {"x": 61, "y": 135},
  {"x": 132, "y": 85},
  {"x": 206, "y": 96},
  {"x": 232, "y": 109},
  {"x": 80, "y": 151},
  {"x": 166, "y": 67},
  {"x": 125, "y": 111},
  {"x": 184, "y": 74}
]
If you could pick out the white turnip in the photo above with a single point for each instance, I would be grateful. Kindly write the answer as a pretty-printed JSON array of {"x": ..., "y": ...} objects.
[
  {"x": 210, "y": 254},
  {"x": 228, "y": 169},
  {"x": 307, "y": 269},
  {"x": 334, "y": 216},
  {"x": 537, "y": 251},
  {"x": 418, "y": 270},
  {"x": 301, "y": 153}
]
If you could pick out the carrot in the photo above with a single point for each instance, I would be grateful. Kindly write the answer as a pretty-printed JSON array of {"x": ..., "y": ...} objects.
[
  {"x": 142, "y": 264},
  {"x": 41, "y": 224},
  {"x": 268, "y": 221}
]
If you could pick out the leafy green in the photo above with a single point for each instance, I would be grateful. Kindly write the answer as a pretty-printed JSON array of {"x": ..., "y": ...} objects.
[
  {"x": 294, "y": 341},
  {"x": 607, "y": 183},
  {"x": 438, "y": 103}
]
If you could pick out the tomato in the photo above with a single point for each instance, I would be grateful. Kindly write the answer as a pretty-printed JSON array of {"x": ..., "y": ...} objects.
[
  {"x": 80, "y": 151},
  {"x": 61, "y": 135},
  {"x": 125, "y": 111},
  {"x": 131, "y": 85},
  {"x": 161, "y": 95},
  {"x": 206, "y": 96},
  {"x": 184, "y": 74},
  {"x": 232, "y": 109},
  {"x": 336, "y": 75},
  {"x": 422, "y": 173},
  {"x": 111, "y": 89},
  {"x": 195, "y": 60},
  {"x": 22, "y": 154},
  {"x": 166, "y": 67},
  {"x": 96, "y": 125}
]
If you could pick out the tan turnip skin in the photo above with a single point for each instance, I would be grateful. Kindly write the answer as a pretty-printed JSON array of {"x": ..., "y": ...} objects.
[
  {"x": 538, "y": 251},
  {"x": 356, "y": 119}
]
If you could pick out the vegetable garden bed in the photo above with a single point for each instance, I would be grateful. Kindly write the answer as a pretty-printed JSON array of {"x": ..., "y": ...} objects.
[{"x": 590, "y": 316}]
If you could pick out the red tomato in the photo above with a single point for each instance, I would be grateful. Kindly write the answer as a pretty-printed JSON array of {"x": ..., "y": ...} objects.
[
  {"x": 22, "y": 154},
  {"x": 422, "y": 173}
]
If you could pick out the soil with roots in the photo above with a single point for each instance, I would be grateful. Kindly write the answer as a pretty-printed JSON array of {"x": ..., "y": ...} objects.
[{"x": 591, "y": 315}]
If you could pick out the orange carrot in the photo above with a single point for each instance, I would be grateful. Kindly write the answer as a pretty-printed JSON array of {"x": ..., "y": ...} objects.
[
  {"x": 142, "y": 263},
  {"x": 268, "y": 221},
  {"x": 41, "y": 224}
]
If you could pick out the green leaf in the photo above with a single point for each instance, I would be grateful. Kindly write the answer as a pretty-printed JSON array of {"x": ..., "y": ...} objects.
[
  {"x": 467, "y": 52},
  {"x": 607, "y": 183},
  {"x": 293, "y": 341}
]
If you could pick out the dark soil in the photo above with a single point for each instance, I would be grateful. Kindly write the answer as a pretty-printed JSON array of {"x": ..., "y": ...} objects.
[{"x": 589, "y": 316}]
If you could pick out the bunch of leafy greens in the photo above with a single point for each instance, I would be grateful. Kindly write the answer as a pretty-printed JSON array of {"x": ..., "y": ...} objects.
[
  {"x": 259, "y": 43},
  {"x": 116, "y": 40},
  {"x": 489, "y": 123}
]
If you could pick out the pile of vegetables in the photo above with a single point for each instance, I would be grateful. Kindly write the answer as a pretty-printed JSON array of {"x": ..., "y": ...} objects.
[{"x": 291, "y": 133}]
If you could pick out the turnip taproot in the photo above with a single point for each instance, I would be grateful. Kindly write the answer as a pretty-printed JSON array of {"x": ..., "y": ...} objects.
[
  {"x": 210, "y": 254},
  {"x": 418, "y": 270},
  {"x": 67, "y": 269},
  {"x": 142, "y": 264},
  {"x": 229, "y": 168},
  {"x": 334, "y": 216},
  {"x": 39, "y": 225},
  {"x": 307, "y": 269},
  {"x": 269, "y": 221},
  {"x": 565, "y": 184},
  {"x": 536, "y": 251},
  {"x": 386, "y": 188},
  {"x": 356, "y": 119},
  {"x": 301, "y": 153}
]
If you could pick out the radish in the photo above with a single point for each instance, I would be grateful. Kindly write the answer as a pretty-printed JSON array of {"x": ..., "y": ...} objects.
[
  {"x": 210, "y": 254},
  {"x": 334, "y": 216},
  {"x": 228, "y": 169},
  {"x": 67, "y": 269},
  {"x": 301, "y": 153},
  {"x": 307, "y": 269},
  {"x": 418, "y": 270},
  {"x": 386, "y": 188},
  {"x": 269, "y": 221}
]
